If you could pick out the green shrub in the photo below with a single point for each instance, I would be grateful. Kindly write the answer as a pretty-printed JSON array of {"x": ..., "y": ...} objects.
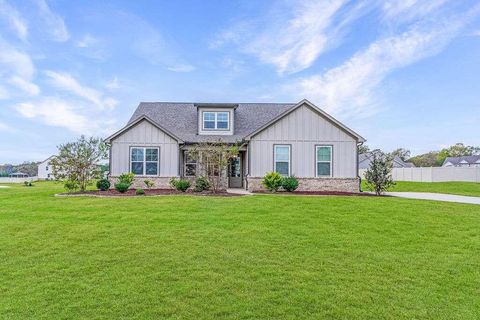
[
  {"x": 103, "y": 184},
  {"x": 71, "y": 185},
  {"x": 28, "y": 184},
  {"x": 201, "y": 184},
  {"x": 127, "y": 178},
  {"x": 182, "y": 185},
  {"x": 149, "y": 183},
  {"x": 140, "y": 192},
  {"x": 290, "y": 184},
  {"x": 122, "y": 187},
  {"x": 272, "y": 181}
]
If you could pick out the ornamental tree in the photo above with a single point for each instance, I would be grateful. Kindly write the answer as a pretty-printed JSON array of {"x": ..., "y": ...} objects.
[{"x": 379, "y": 175}]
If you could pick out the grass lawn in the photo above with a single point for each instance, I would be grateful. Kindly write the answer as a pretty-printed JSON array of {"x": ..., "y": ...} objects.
[
  {"x": 453, "y": 187},
  {"x": 258, "y": 257}
]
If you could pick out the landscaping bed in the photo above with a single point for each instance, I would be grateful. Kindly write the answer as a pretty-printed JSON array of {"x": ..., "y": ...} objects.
[
  {"x": 148, "y": 192},
  {"x": 319, "y": 193}
]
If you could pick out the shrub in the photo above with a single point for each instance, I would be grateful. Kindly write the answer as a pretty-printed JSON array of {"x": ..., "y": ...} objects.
[
  {"x": 127, "y": 178},
  {"x": 71, "y": 185},
  {"x": 103, "y": 184},
  {"x": 182, "y": 185},
  {"x": 28, "y": 184},
  {"x": 140, "y": 192},
  {"x": 290, "y": 184},
  {"x": 201, "y": 184},
  {"x": 379, "y": 175},
  {"x": 149, "y": 184},
  {"x": 272, "y": 181},
  {"x": 122, "y": 187}
]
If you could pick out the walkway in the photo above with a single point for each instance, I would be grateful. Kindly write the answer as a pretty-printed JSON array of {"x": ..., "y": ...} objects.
[
  {"x": 239, "y": 191},
  {"x": 435, "y": 196}
]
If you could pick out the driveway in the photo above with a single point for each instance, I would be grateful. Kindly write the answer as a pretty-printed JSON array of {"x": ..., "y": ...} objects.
[{"x": 435, "y": 196}]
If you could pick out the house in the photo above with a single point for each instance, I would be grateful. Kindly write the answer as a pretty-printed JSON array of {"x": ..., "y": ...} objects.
[
  {"x": 45, "y": 171},
  {"x": 465, "y": 161},
  {"x": 365, "y": 159},
  {"x": 298, "y": 140}
]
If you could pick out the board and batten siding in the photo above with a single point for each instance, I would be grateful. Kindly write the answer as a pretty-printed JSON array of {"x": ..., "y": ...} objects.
[
  {"x": 303, "y": 129},
  {"x": 144, "y": 134}
]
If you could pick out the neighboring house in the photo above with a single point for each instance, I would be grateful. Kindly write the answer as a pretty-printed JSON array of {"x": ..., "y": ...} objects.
[
  {"x": 465, "y": 161},
  {"x": 298, "y": 140},
  {"x": 45, "y": 170},
  {"x": 365, "y": 159}
]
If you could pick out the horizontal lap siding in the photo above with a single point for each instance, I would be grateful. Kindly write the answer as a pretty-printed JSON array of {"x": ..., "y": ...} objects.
[
  {"x": 303, "y": 129},
  {"x": 145, "y": 134}
]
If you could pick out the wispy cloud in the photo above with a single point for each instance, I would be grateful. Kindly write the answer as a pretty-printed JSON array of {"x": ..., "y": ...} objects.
[
  {"x": 4, "y": 127},
  {"x": 56, "y": 112},
  {"x": 182, "y": 68},
  {"x": 26, "y": 86},
  {"x": 14, "y": 19},
  {"x": 55, "y": 25},
  {"x": 351, "y": 87},
  {"x": 113, "y": 84},
  {"x": 86, "y": 41},
  {"x": 409, "y": 9},
  {"x": 67, "y": 82}
]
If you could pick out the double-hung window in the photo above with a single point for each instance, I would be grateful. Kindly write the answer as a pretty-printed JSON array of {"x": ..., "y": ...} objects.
[
  {"x": 281, "y": 159},
  {"x": 215, "y": 120},
  {"x": 144, "y": 161},
  {"x": 190, "y": 166},
  {"x": 323, "y": 158}
]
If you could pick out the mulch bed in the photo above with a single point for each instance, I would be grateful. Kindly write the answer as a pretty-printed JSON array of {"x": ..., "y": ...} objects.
[
  {"x": 320, "y": 193},
  {"x": 151, "y": 192}
]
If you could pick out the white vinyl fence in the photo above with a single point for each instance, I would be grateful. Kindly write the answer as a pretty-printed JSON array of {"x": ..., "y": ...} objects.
[
  {"x": 16, "y": 180},
  {"x": 434, "y": 174}
]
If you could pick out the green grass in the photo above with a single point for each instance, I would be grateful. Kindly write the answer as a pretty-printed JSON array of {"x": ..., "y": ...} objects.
[
  {"x": 258, "y": 257},
  {"x": 453, "y": 187}
]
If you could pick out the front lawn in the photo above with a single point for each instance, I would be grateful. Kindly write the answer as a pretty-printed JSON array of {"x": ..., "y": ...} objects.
[
  {"x": 255, "y": 257},
  {"x": 452, "y": 187}
]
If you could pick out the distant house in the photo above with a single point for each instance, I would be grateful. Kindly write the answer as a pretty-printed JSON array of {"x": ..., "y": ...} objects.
[
  {"x": 294, "y": 139},
  {"x": 364, "y": 160},
  {"x": 45, "y": 170},
  {"x": 465, "y": 161}
]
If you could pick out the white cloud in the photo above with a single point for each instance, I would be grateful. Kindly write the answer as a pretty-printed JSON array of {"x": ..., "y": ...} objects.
[
  {"x": 4, "y": 127},
  {"x": 410, "y": 9},
  {"x": 351, "y": 87},
  {"x": 67, "y": 82},
  {"x": 113, "y": 84},
  {"x": 56, "y": 112},
  {"x": 26, "y": 86},
  {"x": 14, "y": 20},
  {"x": 55, "y": 25},
  {"x": 86, "y": 41},
  {"x": 182, "y": 68},
  {"x": 3, "y": 93}
]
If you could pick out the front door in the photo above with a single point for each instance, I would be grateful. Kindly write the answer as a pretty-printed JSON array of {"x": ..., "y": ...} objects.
[{"x": 235, "y": 179}]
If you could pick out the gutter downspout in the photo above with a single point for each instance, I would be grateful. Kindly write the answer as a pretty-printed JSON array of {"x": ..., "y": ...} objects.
[{"x": 358, "y": 165}]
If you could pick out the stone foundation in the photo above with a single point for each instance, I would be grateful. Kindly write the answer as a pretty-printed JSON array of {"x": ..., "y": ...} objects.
[
  {"x": 160, "y": 182},
  {"x": 313, "y": 184}
]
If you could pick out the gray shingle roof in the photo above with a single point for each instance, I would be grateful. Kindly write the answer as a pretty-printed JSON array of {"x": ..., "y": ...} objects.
[
  {"x": 181, "y": 118},
  {"x": 457, "y": 160},
  {"x": 364, "y": 160}
]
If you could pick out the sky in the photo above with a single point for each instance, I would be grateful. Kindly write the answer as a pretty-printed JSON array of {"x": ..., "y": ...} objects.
[{"x": 402, "y": 73}]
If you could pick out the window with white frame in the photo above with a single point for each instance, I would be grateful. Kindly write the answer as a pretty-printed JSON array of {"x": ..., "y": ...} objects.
[
  {"x": 281, "y": 158},
  {"x": 216, "y": 120},
  {"x": 190, "y": 166},
  {"x": 323, "y": 161},
  {"x": 144, "y": 161}
]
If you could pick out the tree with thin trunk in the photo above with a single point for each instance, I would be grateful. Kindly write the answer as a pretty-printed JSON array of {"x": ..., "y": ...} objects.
[
  {"x": 212, "y": 160},
  {"x": 77, "y": 163},
  {"x": 379, "y": 175}
]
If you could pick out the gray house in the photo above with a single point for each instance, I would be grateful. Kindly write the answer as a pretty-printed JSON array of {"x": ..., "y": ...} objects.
[
  {"x": 293, "y": 139},
  {"x": 465, "y": 161}
]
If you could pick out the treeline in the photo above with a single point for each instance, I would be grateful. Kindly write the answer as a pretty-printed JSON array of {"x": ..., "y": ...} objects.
[
  {"x": 432, "y": 158},
  {"x": 30, "y": 168}
]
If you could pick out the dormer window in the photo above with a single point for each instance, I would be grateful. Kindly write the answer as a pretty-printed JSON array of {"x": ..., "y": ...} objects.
[{"x": 216, "y": 120}]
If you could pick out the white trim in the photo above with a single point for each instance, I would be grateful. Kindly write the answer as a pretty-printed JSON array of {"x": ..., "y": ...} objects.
[
  {"x": 317, "y": 161},
  {"x": 289, "y": 158},
  {"x": 215, "y": 121},
  {"x": 185, "y": 165},
  {"x": 144, "y": 162}
]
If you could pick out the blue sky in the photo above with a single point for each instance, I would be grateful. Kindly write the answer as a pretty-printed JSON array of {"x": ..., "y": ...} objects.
[{"x": 401, "y": 73}]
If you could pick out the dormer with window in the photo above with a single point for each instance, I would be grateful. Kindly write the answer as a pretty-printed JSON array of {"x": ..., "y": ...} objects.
[{"x": 215, "y": 118}]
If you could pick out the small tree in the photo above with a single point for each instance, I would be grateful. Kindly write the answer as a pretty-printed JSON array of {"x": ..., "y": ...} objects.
[
  {"x": 78, "y": 162},
  {"x": 379, "y": 174},
  {"x": 212, "y": 161}
]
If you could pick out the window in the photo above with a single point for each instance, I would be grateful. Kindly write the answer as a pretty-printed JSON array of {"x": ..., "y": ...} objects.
[
  {"x": 281, "y": 158},
  {"x": 144, "y": 161},
  {"x": 213, "y": 120},
  {"x": 323, "y": 161},
  {"x": 190, "y": 166}
]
